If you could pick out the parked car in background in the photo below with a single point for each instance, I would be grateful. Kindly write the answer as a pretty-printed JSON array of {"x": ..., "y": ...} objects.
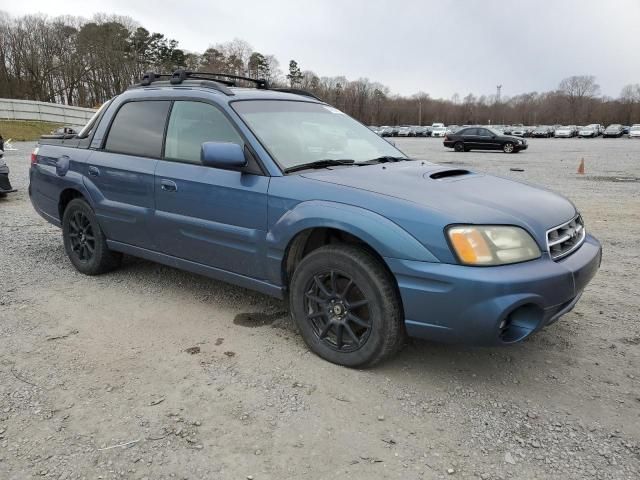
[
  {"x": 5, "y": 184},
  {"x": 483, "y": 138},
  {"x": 518, "y": 131},
  {"x": 589, "y": 131},
  {"x": 385, "y": 131},
  {"x": 528, "y": 130},
  {"x": 438, "y": 131},
  {"x": 366, "y": 245},
  {"x": 566, "y": 131},
  {"x": 634, "y": 131},
  {"x": 625, "y": 129},
  {"x": 614, "y": 130},
  {"x": 420, "y": 131},
  {"x": 405, "y": 131},
  {"x": 543, "y": 131}
]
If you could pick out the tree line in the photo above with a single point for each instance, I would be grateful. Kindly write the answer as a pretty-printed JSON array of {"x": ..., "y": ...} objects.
[{"x": 75, "y": 61}]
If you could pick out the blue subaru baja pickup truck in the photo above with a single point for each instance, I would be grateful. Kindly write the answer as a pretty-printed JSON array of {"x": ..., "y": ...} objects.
[{"x": 276, "y": 191}]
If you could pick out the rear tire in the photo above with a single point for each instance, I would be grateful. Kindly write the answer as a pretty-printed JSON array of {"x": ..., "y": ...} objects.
[
  {"x": 84, "y": 242},
  {"x": 458, "y": 147},
  {"x": 346, "y": 306}
]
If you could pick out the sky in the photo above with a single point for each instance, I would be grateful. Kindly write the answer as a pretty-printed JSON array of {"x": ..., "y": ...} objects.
[{"x": 439, "y": 47}]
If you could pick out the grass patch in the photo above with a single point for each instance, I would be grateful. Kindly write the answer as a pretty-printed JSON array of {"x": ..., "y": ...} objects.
[{"x": 25, "y": 130}]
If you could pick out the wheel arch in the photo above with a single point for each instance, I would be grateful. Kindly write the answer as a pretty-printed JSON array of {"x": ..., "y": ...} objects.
[
  {"x": 66, "y": 196},
  {"x": 316, "y": 223}
]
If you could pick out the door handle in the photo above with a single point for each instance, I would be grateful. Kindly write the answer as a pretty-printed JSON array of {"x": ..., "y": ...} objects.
[
  {"x": 94, "y": 171},
  {"x": 168, "y": 185}
]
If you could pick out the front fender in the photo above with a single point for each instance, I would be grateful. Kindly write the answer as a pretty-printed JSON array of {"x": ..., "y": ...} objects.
[{"x": 384, "y": 236}]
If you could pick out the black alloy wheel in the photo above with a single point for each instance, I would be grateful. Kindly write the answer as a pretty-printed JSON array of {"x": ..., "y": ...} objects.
[
  {"x": 346, "y": 305},
  {"x": 82, "y": 237},
  {"x": 337, "y": 311}
]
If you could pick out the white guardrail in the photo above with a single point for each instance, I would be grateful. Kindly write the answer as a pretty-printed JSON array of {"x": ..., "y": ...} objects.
[{"x": 11, "y": 109}]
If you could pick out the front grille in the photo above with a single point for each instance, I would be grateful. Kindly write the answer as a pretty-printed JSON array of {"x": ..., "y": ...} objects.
[{"x": 565, "y": 238}]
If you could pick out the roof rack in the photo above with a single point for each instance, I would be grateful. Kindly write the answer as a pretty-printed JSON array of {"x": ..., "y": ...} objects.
[
  {"x": 218, "y": 81},
  {"x": 296, "y": 91}
]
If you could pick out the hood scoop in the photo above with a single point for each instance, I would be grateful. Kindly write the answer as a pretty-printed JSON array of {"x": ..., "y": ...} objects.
[{"x": 456, "y": 172}]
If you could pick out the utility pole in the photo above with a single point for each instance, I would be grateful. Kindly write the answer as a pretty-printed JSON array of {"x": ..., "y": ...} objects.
[
  {"x": 498, "y": 91},
  {"x": 419, "y": 112}
]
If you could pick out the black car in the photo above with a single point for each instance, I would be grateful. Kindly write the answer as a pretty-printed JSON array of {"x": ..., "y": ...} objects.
[
  {"x": 616, "y": 130},
  {"x": 5, "y": 184},
  {"x": 542, "y": 131},
  {"x": 483, "y": 138}
]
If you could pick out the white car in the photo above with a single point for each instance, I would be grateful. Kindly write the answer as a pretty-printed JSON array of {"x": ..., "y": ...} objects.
[
  {"x": 566, "y": 131},
  {"x": 439, "y": 131},
  {"x": 634, "y": 131},
  {"x": 405, "y": 132},
  {"x": 589, "y": 131}
]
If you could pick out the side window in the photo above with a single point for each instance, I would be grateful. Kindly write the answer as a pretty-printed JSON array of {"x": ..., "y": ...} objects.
[
  {"x": 471, "y": 131},
  {"x": 483, "y": 132},
  {"x": 193, "y": 123},
  {"x": 138, "y": 129}
]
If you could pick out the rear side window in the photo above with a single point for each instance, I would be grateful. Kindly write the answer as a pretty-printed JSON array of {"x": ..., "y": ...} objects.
[
  {"x": 193, "y": 123},
  {"x": 470, "y": 131},
  {"x": 138, "y": 129}
]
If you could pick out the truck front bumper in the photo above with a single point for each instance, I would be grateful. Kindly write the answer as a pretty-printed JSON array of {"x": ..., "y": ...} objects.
[{"x": 492, "y": 305}]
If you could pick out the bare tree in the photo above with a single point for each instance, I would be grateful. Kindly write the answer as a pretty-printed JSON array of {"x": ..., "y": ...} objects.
[{"x": 578, "y": 91}]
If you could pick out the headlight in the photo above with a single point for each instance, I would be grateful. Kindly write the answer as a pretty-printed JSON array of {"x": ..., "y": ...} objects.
[{"x": 492, "y": 245}]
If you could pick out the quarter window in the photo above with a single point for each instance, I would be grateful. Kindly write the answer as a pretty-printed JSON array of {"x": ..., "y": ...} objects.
[
  {"x": 138, "y": 128},
  {"x": 193, "y": 123}
]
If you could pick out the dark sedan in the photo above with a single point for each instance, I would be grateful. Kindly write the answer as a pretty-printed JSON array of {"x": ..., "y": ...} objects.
[
  {"x": 542, "y": 131},
  {"x": 616, "y": 130},
  {"x": 483, "y": 138}
]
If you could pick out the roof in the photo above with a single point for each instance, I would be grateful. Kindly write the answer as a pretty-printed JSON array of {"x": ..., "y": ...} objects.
[{"x": 220, "y": 82}]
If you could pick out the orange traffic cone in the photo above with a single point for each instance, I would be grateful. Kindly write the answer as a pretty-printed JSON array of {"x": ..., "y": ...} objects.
[{"x": 581, "y": 167}]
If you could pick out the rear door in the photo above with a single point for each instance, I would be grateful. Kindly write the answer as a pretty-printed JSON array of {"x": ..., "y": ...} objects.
[
  {"x": 203, "y": 214},
  {"x": 120, "y": 175},
  {"x": 470, "y": 137}
]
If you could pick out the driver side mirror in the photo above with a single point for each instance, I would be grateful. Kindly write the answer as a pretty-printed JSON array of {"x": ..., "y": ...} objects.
[{"x": 224, "y": 155}]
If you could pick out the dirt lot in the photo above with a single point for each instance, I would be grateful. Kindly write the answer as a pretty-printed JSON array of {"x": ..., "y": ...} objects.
[{"x": 96, "y": 380}]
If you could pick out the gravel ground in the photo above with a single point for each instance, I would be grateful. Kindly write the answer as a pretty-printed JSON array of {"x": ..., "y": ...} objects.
[{"x": 149, "y": 372}]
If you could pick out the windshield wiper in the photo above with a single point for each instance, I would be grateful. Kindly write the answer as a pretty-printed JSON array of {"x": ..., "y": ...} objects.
[
  {"x": 383, "y": 159},
  {"x": 328, "y": 162}
]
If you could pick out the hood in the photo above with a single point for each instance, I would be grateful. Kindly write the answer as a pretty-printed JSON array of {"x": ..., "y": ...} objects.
[{"x": 458, "y": 196}]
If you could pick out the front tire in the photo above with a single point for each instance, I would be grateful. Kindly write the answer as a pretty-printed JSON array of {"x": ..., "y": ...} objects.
[
  {"x": 84, "y": 242},
  {"x": 346, "y": 306},
  {"x": 508, "y": 147}
]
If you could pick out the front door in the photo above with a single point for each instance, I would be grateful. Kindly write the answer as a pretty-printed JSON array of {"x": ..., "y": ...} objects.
[
  {"x": 487, "y": 139},
  {"x": 207, "y": 215}
]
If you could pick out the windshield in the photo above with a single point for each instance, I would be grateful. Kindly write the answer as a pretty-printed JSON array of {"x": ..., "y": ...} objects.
[{"x": 296, "y": 133}]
